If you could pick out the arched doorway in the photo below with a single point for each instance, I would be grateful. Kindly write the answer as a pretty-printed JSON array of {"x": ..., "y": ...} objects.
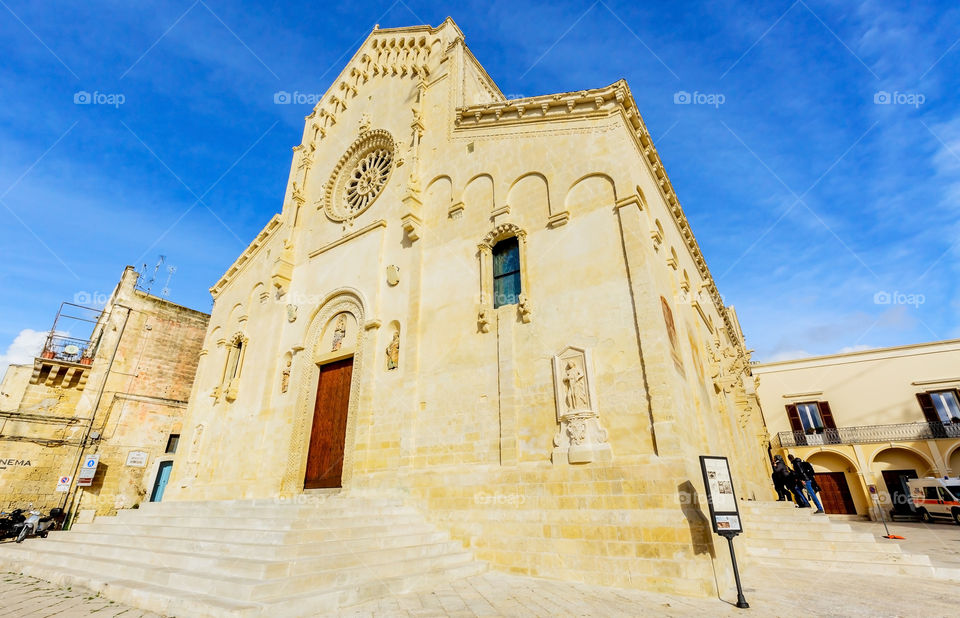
[
  {"x": 894, "y": 467},
  {"x": 954, "y": 461},
  {"x": 840, "y": 488}
]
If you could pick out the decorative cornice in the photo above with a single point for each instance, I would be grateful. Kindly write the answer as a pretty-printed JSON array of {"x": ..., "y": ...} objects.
[
  {"x": 248, "y": 253},
  {"x": 598, "y": 103}
]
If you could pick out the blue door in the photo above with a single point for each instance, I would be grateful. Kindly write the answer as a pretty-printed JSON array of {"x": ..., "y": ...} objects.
[{"x": 163, "y": 475}]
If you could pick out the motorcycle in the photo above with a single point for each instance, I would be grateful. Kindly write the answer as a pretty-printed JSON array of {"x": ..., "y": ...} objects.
[
  {"x": 8, "y": 522},
  {"x": 38, "y": 525}
]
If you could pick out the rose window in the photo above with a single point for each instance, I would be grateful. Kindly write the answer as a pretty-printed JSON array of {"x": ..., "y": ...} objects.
[{"x": 360, "y": 176}]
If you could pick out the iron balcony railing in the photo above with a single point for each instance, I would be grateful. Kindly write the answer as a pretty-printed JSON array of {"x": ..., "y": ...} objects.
[
  {"x": 870, "y": 433},
  {"x": 68, "y": 349}
]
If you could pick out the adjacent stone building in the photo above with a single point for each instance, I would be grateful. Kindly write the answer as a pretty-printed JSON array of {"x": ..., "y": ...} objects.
[
  {"x": 493, "y": 307},
  {"x": 872, "y": 417},
  {"x": 117, "y": 389}
]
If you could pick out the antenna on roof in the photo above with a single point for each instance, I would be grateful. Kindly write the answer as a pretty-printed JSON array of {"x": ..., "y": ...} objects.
[
  {"x": 149, "y": 284},
  {"x": 166, "y": 288}
]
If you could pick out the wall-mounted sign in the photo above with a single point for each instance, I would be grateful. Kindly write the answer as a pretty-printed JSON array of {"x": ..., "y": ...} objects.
[
  {"x": 137, "y": 459},
  {"x": 63, "y": 484},
  {"x": 14, "y": 463},
  {"x": 88, "y": 470}
]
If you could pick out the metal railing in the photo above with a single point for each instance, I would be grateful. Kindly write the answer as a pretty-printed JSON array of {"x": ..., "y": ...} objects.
[
  {"x": 68, "y": 349},
  {"x": 870, "y": 434}
]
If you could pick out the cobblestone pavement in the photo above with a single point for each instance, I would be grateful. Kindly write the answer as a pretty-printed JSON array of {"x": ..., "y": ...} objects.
[
  {"x": 22, "y": 596},
  {"x": 770, "y": 591}
]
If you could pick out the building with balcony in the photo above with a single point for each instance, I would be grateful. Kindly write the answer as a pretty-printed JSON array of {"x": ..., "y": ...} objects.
[
  {"x": 112, "y": 382},
  {"x": 869, "y": 418}
]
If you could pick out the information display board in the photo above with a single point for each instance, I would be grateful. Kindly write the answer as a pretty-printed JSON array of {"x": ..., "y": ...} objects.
[{"x": 724, "y": 512}]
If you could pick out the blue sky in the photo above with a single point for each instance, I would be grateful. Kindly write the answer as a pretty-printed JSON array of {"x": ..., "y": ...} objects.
[{"x": 828, "y": 219}]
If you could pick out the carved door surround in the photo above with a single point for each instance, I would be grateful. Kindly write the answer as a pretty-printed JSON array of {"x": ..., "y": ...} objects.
[
  {"x": 485, "y": 254},
  {"x": 306, "y": 377}
]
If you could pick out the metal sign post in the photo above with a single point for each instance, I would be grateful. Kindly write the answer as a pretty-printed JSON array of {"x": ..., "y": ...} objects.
[
  {"x": 873, "y": 492},
  {"x": 724, "y": 512}
]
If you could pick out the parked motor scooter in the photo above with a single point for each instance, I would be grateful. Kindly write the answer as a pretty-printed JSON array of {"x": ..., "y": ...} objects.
[
  {"x": 8, "y": 521},
  {"x": 37, "y": 525}
]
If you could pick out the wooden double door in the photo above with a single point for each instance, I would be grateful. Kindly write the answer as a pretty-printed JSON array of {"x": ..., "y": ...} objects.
[
  {"x": 328, "y": 436},
  {"x": 835, "y": 493}
]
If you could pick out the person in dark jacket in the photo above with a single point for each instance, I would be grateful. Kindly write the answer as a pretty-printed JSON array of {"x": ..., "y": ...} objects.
[
  {"x": 779, "y": 477},
  {"x": 790, "y": 481},
  {"x": 805, "y": 476}
]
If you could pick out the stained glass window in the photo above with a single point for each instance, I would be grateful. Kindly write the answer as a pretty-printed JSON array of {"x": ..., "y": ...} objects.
[{"x": 506, "y": 272}]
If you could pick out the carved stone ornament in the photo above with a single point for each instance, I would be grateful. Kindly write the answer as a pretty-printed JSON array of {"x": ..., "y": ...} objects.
[
  {"x": 291, "y": 313},
  {"x": 581, "y": 438},
  {"x": 483, "y": 320},
  {"x": 393, "y": 352},
  {"x": 525, "y": 308},
  {"x": 393, "y": 275},
  {"x": 360, "y": 176}
]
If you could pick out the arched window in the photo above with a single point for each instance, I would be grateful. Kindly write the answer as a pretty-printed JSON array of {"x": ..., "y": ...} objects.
[
  {"x": 230, "y": 382},
  {"x": 506, "y": 272}
]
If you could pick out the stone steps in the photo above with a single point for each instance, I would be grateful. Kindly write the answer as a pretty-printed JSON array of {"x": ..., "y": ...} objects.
[
  {"x": 275, "y": 522},
  {"x": 861, "y": 568},
  {"x": 843, "y": 555},
  {"x": 777, "y": 534},
  {"x": 249, "y": 558},
  {"x": 255, "y": 535},
  {"x": 163, "y": 555}
]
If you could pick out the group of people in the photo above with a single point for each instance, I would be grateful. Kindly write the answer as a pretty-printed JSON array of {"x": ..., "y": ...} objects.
[{"x": 793, "y": 483}]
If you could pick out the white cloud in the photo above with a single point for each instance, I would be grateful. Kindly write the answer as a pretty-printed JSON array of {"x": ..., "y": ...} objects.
[
  {"x": 854, "y": 348},
  {"x": 25, "y": 347},
  {"x": 786, "y": 355}
]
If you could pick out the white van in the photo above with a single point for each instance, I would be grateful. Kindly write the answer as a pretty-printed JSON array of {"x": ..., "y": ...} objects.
[{"x": 935, "y": 497}]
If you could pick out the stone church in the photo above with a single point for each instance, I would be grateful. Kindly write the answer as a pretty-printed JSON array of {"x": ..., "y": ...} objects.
[
  {"x": 496, "y": 307},
  {"x": 493, "y": 311}
]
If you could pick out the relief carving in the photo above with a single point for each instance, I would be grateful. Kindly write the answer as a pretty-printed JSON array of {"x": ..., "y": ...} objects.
[{"x": 581, "y": 438}]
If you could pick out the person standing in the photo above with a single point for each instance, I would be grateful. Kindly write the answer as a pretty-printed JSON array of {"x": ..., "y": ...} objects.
[
  {"x": 790, "y": 481},
  {"x": 805, "y": 475},
  {"x": 779, "y": 477}
]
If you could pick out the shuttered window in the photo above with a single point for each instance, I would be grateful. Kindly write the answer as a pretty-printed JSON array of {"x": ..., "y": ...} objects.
[
  {"x": 810, "y": 417},
  {"x": 946, "y": 405}
]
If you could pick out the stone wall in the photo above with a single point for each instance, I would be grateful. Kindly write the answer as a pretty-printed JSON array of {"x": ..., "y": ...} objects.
[{"x": 133, "y": 400}]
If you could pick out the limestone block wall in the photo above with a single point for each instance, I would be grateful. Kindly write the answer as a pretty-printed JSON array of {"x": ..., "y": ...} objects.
[
  {"x": 609, "y": 266},
  {"x": 29, "y": 473},
  {"x": 133, "y": 400}
]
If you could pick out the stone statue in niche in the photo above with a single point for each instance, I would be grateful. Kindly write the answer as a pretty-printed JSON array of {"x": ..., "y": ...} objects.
[
  {"x": 581, "y": 438},
  {"x": 285, "y": 377},
  {"x": 393, "y": 351},
  {"x": 576, "y": 387},
  {"x": 339, "y": 332}
]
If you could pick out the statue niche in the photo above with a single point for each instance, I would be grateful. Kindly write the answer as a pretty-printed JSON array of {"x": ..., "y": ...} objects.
[{"x": 581, "y": 438}]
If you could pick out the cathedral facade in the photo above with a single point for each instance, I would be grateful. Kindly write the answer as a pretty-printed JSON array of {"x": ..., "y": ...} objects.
[{"x": 494, "y": 308}]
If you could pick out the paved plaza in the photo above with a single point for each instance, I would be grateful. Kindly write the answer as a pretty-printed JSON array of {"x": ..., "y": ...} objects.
[{"x": 770, "y": 592}]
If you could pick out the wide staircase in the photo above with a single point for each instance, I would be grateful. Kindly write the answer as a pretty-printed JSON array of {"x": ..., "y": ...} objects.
[
  {"x": 779, "y": 534},
  {"x": 250, "y": 558}
]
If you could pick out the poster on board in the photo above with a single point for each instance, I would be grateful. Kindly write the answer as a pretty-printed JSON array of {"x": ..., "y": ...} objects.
[{"x": 724, "y": 513}]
